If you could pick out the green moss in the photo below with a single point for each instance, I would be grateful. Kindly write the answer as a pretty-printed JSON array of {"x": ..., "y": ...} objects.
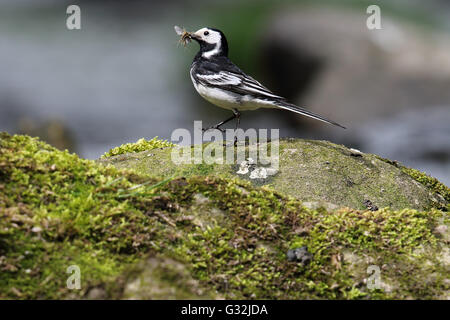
[
  {"x": 159, "y": 277},
  {"x": 430, "y": 182},
  {"x": 59, "y": 208},
  {"x": 248, "y": 268},
  {"x": 205, "y": 236},
  {"x": 312, "y": 171},
  {"x": 139, "y": 146},
  {"x": 433, "y": 184}
]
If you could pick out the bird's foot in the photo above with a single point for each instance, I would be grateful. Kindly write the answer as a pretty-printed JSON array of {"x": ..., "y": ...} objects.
[
  {"x": 214, "y": 127},
  {"x": 230, "y": 144}
]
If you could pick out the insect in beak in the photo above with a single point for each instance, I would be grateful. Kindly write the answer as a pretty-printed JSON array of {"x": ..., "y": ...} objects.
[{"x": 185, "y": 36}]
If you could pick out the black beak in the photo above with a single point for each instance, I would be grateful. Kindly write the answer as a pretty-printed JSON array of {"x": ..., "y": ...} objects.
[{"x": 195, "y": 37}]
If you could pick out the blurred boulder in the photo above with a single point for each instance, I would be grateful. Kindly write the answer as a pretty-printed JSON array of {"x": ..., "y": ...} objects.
[
  {"x": 354, "y": 74},
  {"x": 421, "y": 137}
]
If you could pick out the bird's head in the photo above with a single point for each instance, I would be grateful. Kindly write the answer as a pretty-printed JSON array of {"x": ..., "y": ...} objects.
[{"x": 212, "y": 42}]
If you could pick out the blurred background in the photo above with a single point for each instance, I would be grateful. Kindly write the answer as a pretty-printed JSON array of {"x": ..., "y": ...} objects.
[{"x": 123, "y": 76}]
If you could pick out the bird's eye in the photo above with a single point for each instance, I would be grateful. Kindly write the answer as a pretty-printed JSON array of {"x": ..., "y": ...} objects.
[{"x": 206, "y": 33}]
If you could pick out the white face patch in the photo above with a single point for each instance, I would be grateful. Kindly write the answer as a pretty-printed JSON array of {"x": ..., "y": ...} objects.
[{"x": 211, "y": 37}]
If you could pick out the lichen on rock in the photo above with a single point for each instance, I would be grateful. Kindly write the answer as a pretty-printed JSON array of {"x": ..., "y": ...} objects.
[{"x": 312, "y": 171}]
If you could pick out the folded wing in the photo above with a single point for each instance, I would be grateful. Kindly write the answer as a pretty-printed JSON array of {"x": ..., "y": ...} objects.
[
  {"x": 243, "y": 84},
  {"x": 237, "y": 83}
]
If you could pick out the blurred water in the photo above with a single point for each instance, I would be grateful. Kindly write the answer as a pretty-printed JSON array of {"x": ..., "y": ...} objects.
[
  {"x": 419, "y": 138},
  {"x": 109, "y": 82},
  {"x": 123, "y": 77},
  {"x": 120, "y": 78}
]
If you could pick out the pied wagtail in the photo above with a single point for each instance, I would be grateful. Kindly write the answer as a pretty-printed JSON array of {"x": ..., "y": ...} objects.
[{"x": 222, "y": 83}]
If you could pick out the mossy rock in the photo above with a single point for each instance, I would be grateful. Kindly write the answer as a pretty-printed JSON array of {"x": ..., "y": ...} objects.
[
  {"x": 139, "y": 236},
  {"x": 312, "y": 171}
]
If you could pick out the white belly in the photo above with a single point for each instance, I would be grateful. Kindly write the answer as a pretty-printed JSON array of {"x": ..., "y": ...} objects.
[{"x": 229, "y": 100}]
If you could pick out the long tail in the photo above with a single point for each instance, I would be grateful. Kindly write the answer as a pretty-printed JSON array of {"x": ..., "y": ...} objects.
[{"x": 299, "y": 110}]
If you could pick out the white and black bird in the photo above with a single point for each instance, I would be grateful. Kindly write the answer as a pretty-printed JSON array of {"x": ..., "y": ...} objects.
[{"x": 222, "y": 83}]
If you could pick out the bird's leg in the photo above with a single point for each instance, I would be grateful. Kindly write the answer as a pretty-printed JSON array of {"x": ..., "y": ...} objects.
[
  {"x": 238, "y": 122},
  {"x": 237, "y": 115},
  {"x": 217, "y": 126}
]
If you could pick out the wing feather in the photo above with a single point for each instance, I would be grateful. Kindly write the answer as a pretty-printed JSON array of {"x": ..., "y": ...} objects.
[
  {"x": 226, "y": 76},
  {"x": 238, "y": 83}
]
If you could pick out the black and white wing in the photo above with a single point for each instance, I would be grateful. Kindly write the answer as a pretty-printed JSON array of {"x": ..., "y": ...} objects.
[
  {"x": 236, "y": 83},
  {"x": 239, "y": 83}
]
